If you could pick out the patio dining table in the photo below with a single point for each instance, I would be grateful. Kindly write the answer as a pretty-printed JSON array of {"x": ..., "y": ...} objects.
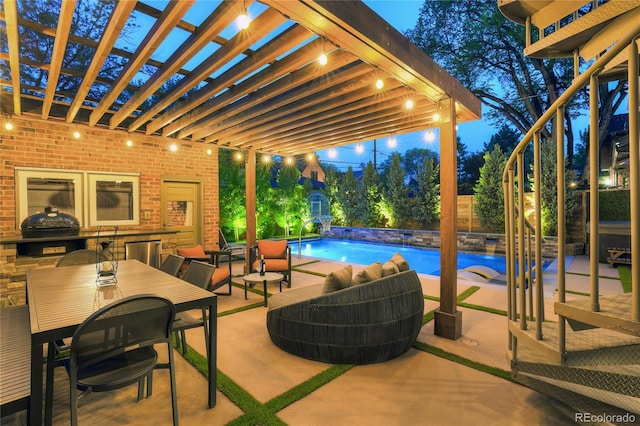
[{"x": 60, "y": 299}]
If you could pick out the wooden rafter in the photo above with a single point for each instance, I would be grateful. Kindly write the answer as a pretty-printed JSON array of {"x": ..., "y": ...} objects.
[
  {"x": 216, "y": 22},
  {"x": 11, "y": 22},
  {"x": 57, "y": 56},
  {"x": 264, "y": 24},
  {"x": 118, "y": 19},
  {"x": 260, "y": 88},
  {"x": 158, "y": 32}
]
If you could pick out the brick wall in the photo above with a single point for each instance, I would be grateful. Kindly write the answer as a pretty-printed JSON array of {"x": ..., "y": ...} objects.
[
  {"x": 43, "y": 144},
  {"x": 37, "y": 143}
]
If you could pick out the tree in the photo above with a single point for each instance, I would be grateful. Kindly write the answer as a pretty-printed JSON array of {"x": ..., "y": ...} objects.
[
  {"x": 332, "y": 190},
  {"x": 468, "y": 168},
  {"x": 371, "y": 186},
  {"x": 353, "y": 198},
  {"x": 427, "y": 208},
  {"x": 89, "y": 19},
  {"x": 293, "y": 206},
  {"x": 231, "y": 194},
  {"x": 484, "y": 51},
  {"x": 549, "y": 195},
  {"x": 489, "y": 195},
  {"x": 413, "y": 162},
  {"x": 396, "y": 193}
]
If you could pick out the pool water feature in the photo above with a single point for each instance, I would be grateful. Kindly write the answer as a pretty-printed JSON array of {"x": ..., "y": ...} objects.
[{"x": 423, "y": 260}]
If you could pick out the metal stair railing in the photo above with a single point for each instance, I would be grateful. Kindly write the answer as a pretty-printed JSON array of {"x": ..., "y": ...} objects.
[{"x": 520, "y": 233}]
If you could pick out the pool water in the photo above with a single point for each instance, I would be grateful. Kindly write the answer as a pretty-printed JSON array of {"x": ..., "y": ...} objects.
[{"x": 423, "y": 260}]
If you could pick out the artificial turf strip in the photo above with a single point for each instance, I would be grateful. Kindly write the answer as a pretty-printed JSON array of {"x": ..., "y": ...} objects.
[
  {"x": 307, "y": 387},
  {"x": 625, "y": 278},
  {"x": 483, "y": 308},
  {"x": 256, "y": 412},
  {"x": 468, "y": 292},
  {"x": 494, "y": 371}
]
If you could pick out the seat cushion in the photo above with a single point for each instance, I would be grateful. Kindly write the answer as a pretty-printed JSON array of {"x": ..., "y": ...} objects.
[
  {"x": 272, "y": 249},
  {"x": 272, "y": 265},
  {"x": 196, "y": 251},
  {"x": 219, "y": 274}
]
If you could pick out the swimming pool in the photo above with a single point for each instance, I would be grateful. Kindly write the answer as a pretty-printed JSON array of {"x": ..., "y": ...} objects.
[{"x": 423, "y": 260}]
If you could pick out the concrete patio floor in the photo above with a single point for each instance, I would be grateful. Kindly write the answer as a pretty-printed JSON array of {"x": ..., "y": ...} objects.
[{"x": 415, "y": 388}]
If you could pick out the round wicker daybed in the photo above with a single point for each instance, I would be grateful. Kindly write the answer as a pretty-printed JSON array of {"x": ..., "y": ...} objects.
[{"x": 362, "y": 324}]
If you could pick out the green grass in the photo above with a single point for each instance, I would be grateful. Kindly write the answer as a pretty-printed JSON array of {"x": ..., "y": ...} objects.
[{"x": 625, "y": 277}]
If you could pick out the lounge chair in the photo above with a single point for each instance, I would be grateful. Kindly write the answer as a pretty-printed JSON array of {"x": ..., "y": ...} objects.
[
  {"x": 237, "y": 250},
  {"x": 277, "y": 257}
]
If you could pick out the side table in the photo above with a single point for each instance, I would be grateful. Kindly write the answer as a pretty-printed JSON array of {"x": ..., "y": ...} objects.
[{"x": 268, "y": 277}]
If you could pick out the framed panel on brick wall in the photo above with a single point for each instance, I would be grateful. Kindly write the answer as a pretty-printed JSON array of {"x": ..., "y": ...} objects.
[
  {"x": 94, "y": 198},
  {"x": 114, "y": 199},
  {"x": 37, "y": 189}
]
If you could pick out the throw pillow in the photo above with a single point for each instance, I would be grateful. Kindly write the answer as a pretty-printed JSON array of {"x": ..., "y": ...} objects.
[
  {"x": 389, "y": 268},
  {"x": 272, "y": 249},
  {"x": 370, "y": 273},
  {"x": 337, "y": 280},
  {"x": 403, "y": 265}
]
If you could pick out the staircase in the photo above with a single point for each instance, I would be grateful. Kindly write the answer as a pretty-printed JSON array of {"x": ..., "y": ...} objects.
[{"x": 593, "y": 365}]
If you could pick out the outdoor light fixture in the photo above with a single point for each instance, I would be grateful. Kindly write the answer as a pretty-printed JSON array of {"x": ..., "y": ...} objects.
[
  {"x": 76, "y": 132},
  {"x": 392, "y": 143},
  {"x": 266, "y": 158},
  {"x": 323, "y": 56},
  {"x": 379, "y": 84},
  {"x": 239, "y": 156},
  {"x": 243, "y": 20},
  {"x": 209, "y": 151},
  {"x": 408, "y": 104},
  {"x": 289, "y": 160},
  {"x": 129, "y": 143},
  {"x": 436, "y": 117},
  {"x": 359, "y": 148},
  {"x": 333, "y": 153},
  {"x": 311, "y": 157},
  {"x": 173, "y": 147},
  {"x": 429, "y": 136},
  {"x": 8, "y": 125}
]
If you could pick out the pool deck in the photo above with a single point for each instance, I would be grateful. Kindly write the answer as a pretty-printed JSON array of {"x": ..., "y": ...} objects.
[{"x": 415, "y": 388}]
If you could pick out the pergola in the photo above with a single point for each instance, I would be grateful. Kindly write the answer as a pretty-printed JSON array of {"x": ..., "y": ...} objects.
[{"x": 259, "y": 89}]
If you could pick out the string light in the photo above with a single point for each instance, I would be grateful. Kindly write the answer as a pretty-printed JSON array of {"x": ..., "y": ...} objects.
[
  {"x": 333, "y": 153},
  {"x": 429, "y": 136},
  {"x": 239, "y": 156},
  {"x": 289, "y": 160},
  {"x": 243, "y": 20},
  {"x": 436, "y": 117},
  {"x": 379, "y": 84},
  {"x": 392, "y": 143},
  {"x": 359, "y": 148},
  {"x": 266, "y": 158},
  {"x": 323, "y": 56},
  {"x": 408, "y": 104}
]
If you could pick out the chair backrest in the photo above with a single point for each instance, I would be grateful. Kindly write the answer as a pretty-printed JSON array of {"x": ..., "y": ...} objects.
[
  {"x": 222, "y": 241},
  {"x": 132, "y": 322},
  {"x": 78, "y": 257},
  {"x": 172, "y": 264},
  {"x": 199, "y": 273}
]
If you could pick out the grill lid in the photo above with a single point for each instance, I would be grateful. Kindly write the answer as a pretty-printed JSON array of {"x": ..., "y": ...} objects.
[{"x": 51, "y": 222}]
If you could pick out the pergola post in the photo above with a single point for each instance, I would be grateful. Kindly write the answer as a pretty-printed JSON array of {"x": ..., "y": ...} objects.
[
  {"x": 448, "y": 320},
  {"x": 250, "y": 195}
]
